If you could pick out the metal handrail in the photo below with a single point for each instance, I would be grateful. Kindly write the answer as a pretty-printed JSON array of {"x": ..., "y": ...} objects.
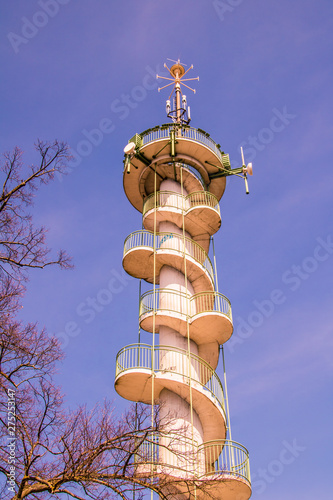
[
  {"x": 178, "y": 201},
  {"x": 171, "y": 359},
  {"x": 169, "y": 241},
  {"x": 184, "y": 132},
  {"x": 192, "y": 170},
  {"x": 173, "y": 449},
  {"x": 195, "y": 172},
  {"x": 181, "y": 303},
  {"x": 222, "y": 458}
]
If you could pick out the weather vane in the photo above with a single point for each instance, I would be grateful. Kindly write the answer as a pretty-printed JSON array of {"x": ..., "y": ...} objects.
[{"x": 180, "y": 112}]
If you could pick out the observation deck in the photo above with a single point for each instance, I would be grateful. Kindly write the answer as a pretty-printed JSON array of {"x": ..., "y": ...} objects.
[{"x": 165, "y": 146}]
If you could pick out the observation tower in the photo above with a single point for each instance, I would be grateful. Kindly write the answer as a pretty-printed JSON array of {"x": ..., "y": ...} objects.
[{"x": 175, "y": 176}]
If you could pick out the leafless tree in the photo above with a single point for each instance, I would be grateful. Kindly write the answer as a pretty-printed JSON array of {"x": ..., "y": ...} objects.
[
  {"x": 85, "y": 455},
  {"x": 24, "y": 351},
  {"x": 23, "y": 245},
  {"x": 47, "y": 451}
]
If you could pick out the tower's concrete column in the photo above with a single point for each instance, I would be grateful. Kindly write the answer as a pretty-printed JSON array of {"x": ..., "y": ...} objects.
[{"x": 175, "y": 411}]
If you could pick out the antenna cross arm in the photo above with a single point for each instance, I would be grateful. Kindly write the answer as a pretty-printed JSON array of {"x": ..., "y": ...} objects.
[{"x": 225, "y": 172}]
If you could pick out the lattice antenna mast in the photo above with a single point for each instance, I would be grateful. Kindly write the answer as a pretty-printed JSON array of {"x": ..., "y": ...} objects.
[{"x": 180, "y": 112}]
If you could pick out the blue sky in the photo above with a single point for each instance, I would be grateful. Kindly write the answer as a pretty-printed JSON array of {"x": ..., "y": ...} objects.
[{"x": 70, "y": 68}]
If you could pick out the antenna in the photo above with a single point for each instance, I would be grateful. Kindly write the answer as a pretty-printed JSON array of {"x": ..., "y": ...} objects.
[
  {"x": 241, "y": 172},
  {"x": 179, "y": 114},
  {"x": 129, "y": 150},
  {"x": 246, "y": 170}
]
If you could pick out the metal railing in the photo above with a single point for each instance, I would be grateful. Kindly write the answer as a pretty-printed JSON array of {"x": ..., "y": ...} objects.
[
  {"x": 222, "y": 458},
  {"x": 169, "y": 241},
  {"x": 178, "y": 201},
  {"x": 180, "y": 303},
  {"x": 168, "y": 359},
  {"x": 194, "y": 172},
  {"x": 147, "y": 448},
  {"x": 191, "y": 133},
  {"x": 169, "y": 450}
]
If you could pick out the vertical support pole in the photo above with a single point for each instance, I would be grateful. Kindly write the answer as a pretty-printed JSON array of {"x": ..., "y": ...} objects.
[
  {"x": 172, "y": 143},
  {"x": 215, "y": 268},
  {"x": 138, "y": 364},
  {"x": 177, "y": 90},
  {"x": 227, "y": 406},
  {"x": 153, "y": 343}
]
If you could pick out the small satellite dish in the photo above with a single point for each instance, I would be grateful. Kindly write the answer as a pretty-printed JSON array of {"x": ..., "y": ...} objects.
[
  {"x": 248, "y": 169},
  {"x": 129, "y": 148}
]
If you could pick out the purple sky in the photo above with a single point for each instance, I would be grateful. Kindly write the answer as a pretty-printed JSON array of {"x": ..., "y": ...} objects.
[{"x": 71, "y": 67}]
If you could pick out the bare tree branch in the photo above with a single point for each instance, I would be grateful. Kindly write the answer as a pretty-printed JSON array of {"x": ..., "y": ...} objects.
[{"x": 21, "y": 244}]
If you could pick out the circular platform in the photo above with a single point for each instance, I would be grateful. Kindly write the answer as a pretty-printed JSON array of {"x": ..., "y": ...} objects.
[
  {"x": 199, "y": 212},
  {"x": 207, "y": 314},
  {"x": 156, "y": 151},
  {"x": 172, "y": 250},
  {"x": 217, "y": 469},
  {"x": 135, "y": 375}
]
